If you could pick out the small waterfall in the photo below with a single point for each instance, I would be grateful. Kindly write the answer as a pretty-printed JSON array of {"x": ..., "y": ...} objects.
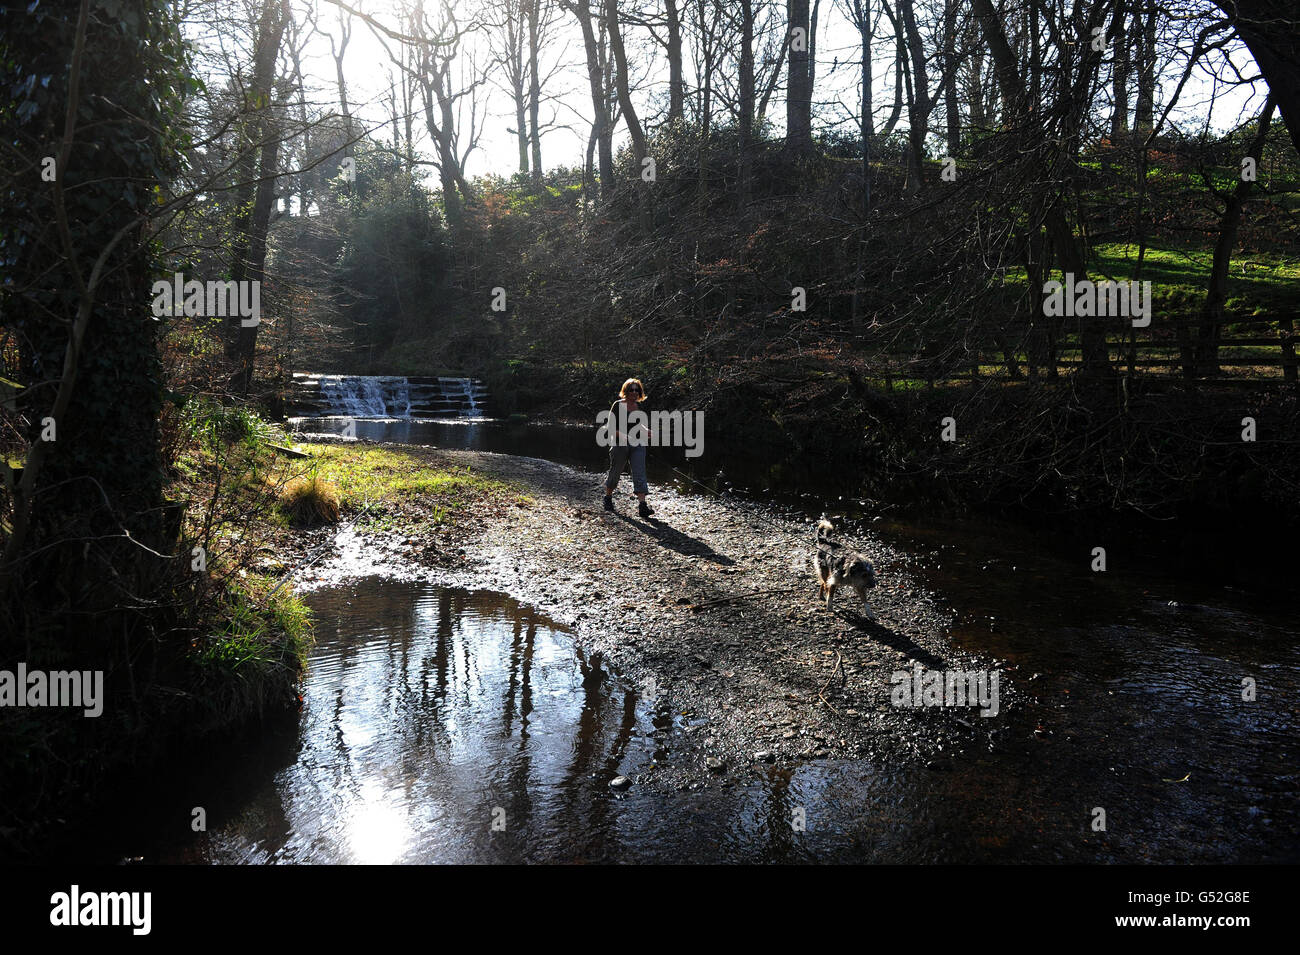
[
  {"x": 465, "y": 388},
  {"x": 386, "y": 396},
  {"x": 353, "y": 396},
  {"x": 401, "y": 398}
]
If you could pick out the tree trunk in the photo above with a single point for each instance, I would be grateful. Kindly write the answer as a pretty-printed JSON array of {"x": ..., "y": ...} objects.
[
  {"x": 865, "y": 119},
  {"x": 446, "y": 159},
  {"x": 1144, "y": 28},
  {"x": 76, "y": 303},
  {"x": 1119, "y": 116},
  {"x": 812, "y": 48},
  {"x": 252, "y": 267},
  {"x": 746, "y": 95},
  {"x": 595, "y": 80},
  {"x": 861, "y": 16},
  {"x": 534, "y": 89},
  {"x": 978, "y": 118},
  {"x": 344, "y": 106},
  {"x": 798, "y": 100},
  {"x": 521, "y": 128},
  {"x": 621, "y": 83},
  {"x": 1271, "y": 31},
  {"x": 676, "y": 94},
  {"x": 918, "y": 99},
  {"x": 249, "y": 259},
  {"x": 951, "y": 111},
  {"x": 896, "y": 111},
  {"x": 1207, "y": 342}
]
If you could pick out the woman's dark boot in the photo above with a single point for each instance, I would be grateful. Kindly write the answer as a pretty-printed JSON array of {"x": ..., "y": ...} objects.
[
  {"x": 609, "y": 502},
  {"x": 644, "y": 509}
]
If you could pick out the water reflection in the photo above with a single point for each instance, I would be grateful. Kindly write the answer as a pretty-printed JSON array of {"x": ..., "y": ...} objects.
[{"x": 442, "y": 725}]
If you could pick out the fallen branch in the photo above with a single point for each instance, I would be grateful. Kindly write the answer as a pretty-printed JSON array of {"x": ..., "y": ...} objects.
[
  {"x": 291, "y": 452},
  {"x": 756, "y": 593},
  {"x": 838, "y": 660}
]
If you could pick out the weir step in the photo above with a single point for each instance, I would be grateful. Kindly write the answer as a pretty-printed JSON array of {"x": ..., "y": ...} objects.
[{"x": 386, "y": 396}]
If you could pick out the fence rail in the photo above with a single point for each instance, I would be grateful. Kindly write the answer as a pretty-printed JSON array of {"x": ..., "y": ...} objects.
[{"x": 1171, "y": 350}]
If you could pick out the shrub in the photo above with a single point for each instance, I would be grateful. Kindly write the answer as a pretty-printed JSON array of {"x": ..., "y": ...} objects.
[{"x": 310, "y": 500}]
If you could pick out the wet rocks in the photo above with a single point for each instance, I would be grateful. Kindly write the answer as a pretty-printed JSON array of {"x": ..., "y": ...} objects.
[{"x": 620, "y": 783}]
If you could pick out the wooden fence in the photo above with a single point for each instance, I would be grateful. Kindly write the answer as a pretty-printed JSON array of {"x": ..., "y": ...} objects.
[{"x": 1170, "y": 350}]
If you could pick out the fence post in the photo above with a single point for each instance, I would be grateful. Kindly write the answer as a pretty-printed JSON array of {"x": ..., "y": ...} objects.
[
  {"x": 1288, "y": 350},
  {"x": 1185, "y": 351}
]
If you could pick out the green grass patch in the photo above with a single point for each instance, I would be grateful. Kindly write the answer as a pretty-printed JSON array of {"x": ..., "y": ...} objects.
[
  {"x": 1260, "y": 283},
  {"x": 370, "y": 475},
  {"x": 259, "y": 630}
]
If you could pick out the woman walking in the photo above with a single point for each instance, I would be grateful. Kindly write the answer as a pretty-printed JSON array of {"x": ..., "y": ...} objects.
[{"x": 623, "y": 451}]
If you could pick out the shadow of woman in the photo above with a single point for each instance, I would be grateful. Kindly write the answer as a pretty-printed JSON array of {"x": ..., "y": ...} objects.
[{"x": 675, "y": 540}]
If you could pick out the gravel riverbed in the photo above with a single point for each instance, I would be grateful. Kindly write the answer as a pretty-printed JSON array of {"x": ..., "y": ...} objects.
[{"x": 710, "y": 609}]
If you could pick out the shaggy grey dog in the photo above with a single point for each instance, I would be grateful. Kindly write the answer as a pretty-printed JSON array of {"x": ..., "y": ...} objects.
[{"x": 839, "y": 565}]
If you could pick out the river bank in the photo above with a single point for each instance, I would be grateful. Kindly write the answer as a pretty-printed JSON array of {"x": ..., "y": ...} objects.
[{"x": 709, "y": 607}]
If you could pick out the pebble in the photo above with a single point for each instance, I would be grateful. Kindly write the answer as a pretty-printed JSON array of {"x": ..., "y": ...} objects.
[
  {"x": 620, "y": 783},
  {"x": 715, "y": 765}
]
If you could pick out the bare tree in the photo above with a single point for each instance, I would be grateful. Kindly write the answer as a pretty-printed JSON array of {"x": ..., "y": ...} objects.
[
  {"x": 707, "y": 31},
  {"x": 1119, "y": 80},
  {"x": 798, "y": 108},
  {"x": 506, "y": 20},
  {"x": 676, "y": 90},
  {"x": 257, "y": 173},
  {"x": 1207, "y": 350},
  {"x": 535, "y": 26},
  {"x": 623, "y": 82},
  {"x": 598, "y": 66}
]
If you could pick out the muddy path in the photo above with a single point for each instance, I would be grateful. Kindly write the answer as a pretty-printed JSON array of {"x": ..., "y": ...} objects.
[{"x": 710, "y": 609}]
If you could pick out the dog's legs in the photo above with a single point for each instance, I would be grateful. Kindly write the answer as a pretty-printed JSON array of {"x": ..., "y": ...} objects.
[
  {"x": 830, "y": 595},
  {"x": 871, "y": 614}
]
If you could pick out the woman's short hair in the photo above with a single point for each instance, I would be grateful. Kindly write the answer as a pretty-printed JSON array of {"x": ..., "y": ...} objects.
[{"x": 622, "y": 392}]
